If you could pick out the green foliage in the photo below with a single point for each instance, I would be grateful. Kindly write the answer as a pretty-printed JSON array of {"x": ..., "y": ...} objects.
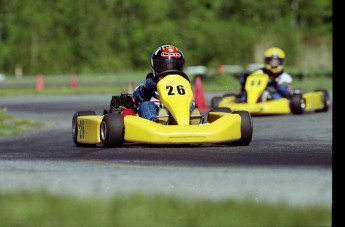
[
  {"x": 85, "y": 36},
  {"x": 44, "y": 209}
]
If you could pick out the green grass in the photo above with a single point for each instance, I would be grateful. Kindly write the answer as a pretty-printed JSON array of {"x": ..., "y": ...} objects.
[
  {"x": 116, "y": 83},
  {"x": 44, "y": 209},
  {"x": 11, "y": 126}
]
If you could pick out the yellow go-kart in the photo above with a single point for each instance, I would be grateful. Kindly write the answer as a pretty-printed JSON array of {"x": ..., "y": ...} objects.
[
  {"x": 177, "y": 125},
  {"x": 259, "y": 100}
]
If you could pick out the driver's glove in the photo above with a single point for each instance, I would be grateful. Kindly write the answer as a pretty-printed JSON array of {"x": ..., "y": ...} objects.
[{"x": 150, "y": 85}]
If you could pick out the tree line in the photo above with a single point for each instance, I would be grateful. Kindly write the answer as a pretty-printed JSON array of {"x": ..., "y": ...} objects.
[{"x": 85, "y": 36}]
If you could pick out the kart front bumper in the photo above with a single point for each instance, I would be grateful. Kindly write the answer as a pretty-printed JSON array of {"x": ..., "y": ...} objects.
[
  {"x": 226, "y": 128},
  {"x": 279, "y": 106}
]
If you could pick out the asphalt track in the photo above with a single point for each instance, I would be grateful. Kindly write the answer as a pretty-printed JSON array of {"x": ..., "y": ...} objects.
[{"x": 289, "y": 159}]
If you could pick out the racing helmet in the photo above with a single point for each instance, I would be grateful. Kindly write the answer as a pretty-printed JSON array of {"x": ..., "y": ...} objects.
[
  {"x": 274, "y": 59},
  {"x": 167, "y": 57}
]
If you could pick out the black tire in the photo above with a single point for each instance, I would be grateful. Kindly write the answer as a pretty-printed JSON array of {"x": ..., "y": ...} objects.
[
  {"x": 232, "y": 94},
  {"x": 326, "y": 101},
  {"x": 215, "y": 101},
  {"x": 75, "y": 126},
  {"x": 112, "y": 130},
  {"x": 218, "y": 109},
  {"x": 297, "y": 103},
  {"x": 246, "y": 128},
  {"x": 221, "y": 109}
]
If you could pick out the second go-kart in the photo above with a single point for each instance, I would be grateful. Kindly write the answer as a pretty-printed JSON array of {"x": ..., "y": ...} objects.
[
  {"x": 259, "y": 100},
  {"x": 121, "y": 124}
]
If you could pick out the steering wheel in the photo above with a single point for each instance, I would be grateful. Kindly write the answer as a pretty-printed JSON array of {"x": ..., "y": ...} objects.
[{"x": 168, "y": 72}]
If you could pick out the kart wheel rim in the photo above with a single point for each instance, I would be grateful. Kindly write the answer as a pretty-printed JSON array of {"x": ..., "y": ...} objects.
[
  {"x": 103, "y": 131},
  {"x": 74, "y": 128},
  {"x": 302, "y": 104}
]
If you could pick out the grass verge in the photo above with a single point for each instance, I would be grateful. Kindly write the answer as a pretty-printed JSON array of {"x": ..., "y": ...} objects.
[
  {"x": 43, "y": 209},
  {"x": 11, "y": 126},
  {"x": 120, "y": 83}
]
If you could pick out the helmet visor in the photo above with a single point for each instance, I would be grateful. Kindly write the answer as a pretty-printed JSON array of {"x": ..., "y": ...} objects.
[
  {"x": 161, "y": 65},
  {"x": 274, "y": 62}
]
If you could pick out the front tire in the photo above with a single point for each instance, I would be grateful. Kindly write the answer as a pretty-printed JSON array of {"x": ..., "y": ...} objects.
[
  {"x": 75, "y": 127},
  {"x": 246, "y": 128},
  {"x": 112, "y": 130},
  {"x": 297, "y": 103}
]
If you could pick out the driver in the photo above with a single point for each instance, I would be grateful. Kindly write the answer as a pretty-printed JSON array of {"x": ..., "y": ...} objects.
[
  {"x": 164, "y": 58},
  {"x": 279, "y": 80}
]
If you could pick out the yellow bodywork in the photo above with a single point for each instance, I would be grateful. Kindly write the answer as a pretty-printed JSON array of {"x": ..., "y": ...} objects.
[
  {"x": 89, "y": 129},
  {"x": 314, "y": 100},
  {"x": 222, "y": 127},
  {"x": 279, "y": 106},
  {"x": 255, "y": 85},
  {"x": 176, "y": 95}
]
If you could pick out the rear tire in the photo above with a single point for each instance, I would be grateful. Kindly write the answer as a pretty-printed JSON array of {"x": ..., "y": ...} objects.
[
  {"x": 232, "y": 94},
  {"x": 112, "y": 130},
  {"x": 215, "y": 101},
  {"x": 221, "y": 109},
  {"x": 297, "y": 103},
  {"x": 246, "y": 128},
  {"x": 75, "y": 127}
]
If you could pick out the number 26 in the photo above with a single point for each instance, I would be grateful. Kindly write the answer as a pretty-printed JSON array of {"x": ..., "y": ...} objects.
[{"x": 180, "y": 90}]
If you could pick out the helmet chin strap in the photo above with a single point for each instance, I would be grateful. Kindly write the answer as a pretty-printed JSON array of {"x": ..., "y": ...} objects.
[{"x": 275, "y": 69}]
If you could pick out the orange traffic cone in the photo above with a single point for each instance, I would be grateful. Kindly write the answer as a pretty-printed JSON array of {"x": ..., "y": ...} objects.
[
  {"x": 220, "y": 69},
  {"x": 74, "y": 82},
  {"x": 39, "y": 86},
  {"x": 200, "y": 95}
]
